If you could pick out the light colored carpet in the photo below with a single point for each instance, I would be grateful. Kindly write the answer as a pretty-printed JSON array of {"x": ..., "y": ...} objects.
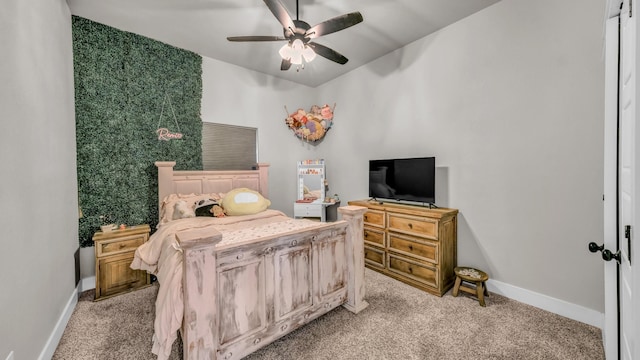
[{"x": 401, "y": 322}]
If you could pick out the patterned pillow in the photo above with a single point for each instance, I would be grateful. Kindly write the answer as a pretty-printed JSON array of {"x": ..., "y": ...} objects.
[
  {"x": 203, "y": 207},
  {"x": 167, "y": 207}
]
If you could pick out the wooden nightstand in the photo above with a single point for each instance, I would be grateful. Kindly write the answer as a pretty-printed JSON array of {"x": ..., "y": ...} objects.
[{"x": 114, "y": 253}]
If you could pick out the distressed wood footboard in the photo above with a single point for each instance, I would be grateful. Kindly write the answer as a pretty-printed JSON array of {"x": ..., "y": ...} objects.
[{"x": 240, "y": 298}]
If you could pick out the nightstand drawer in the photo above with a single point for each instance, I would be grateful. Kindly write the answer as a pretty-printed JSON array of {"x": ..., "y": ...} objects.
[
  {"x": 414, "y": 225},
  {"x": 407, "y": 245},
  {"x": 374, "y": 237},
  {"x": 120, "y": 245},
  {"x": 374, "y": 218},
  {"x": 116, "y": 276}
]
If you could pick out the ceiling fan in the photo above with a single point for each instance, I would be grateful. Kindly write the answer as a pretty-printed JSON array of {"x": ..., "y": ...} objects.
[{"x": 299, "y": 34}]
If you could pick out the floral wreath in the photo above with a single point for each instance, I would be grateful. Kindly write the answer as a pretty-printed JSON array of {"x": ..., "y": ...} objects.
[{"x": 312, "y": 125}]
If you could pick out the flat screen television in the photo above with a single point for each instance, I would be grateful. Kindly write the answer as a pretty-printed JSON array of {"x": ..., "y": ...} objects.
[{"x": 403, "y": 180}]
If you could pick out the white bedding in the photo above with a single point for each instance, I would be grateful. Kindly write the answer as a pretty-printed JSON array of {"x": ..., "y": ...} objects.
[{"x": 162, "y": 256}]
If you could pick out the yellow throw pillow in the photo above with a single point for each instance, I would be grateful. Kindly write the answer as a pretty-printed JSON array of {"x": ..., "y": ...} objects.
[{"x": 243, "y": 201}]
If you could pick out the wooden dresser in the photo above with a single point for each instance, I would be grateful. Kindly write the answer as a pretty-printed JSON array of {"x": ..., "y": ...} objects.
[
  {"x": 114, "y": 253},
  {"x": 416, "y": 245}
]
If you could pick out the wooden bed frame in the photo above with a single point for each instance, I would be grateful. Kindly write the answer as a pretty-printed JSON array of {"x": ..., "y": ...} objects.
[{"x": 240, "y": 298}]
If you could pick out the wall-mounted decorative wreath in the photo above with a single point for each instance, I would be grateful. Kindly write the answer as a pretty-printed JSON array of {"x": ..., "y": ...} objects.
[{"x": 313, "y": 125}]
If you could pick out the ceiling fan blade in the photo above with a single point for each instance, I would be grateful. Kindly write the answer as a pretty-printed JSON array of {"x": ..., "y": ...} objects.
[
  {"x": 280, "y": 13},
  {"x": 334, "y": 24},
  {"x": 285, "y": 65},
  {"x": 328, "y": 53},
  {"x": 256, "y": 38}
]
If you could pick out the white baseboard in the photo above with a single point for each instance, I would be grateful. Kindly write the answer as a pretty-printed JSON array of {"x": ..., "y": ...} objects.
[
  {"x": 58, "y": 330},
  {"x": 87, "y": 284},
  {"x": 556, "y": 306}
]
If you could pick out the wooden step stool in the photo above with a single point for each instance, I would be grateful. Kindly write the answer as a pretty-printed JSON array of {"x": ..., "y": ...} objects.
[{"x": 466, "y": 276}]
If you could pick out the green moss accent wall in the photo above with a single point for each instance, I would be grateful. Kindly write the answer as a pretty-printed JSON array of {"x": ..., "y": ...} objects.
[{"x": 121, "y": 80}]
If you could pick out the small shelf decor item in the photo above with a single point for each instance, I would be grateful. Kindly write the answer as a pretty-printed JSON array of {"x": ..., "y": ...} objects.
[
  {"x": 313, "y": 125},
  {"x": 106, "y": 223}
]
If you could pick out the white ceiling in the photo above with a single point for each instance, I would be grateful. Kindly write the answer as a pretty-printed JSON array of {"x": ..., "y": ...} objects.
[{"x": 202, "y": 26}]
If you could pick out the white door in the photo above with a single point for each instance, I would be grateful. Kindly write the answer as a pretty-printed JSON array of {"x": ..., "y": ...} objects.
[{"x": 629, "y": 275}]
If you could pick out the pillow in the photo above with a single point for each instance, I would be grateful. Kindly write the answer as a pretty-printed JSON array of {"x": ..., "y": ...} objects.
[
  {"x": 182, "y": 210},
  {"x": 243, "y": 201},
  {"x": 168, "y": 204},
  {"x": 203, "y": 207}
]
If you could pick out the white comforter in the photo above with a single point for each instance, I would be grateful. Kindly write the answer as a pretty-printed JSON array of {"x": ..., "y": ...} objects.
[{"x": 162, "y": 256}]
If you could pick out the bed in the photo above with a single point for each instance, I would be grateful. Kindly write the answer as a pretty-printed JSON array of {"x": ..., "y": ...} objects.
[{"x": 234, "y": 284}]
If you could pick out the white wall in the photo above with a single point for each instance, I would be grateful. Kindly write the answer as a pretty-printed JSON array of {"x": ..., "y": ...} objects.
[
  {"x": 511, "y": 102},
  {"x": 38, "y": 196},
  {"x": 234, "y": 95}
]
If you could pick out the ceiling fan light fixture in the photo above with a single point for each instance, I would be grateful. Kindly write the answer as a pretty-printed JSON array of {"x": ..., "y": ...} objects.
[
  {"x": 285, "y": 51},
  {"x": 308, "y": 54},
  {"x": 296, "y": 51}
]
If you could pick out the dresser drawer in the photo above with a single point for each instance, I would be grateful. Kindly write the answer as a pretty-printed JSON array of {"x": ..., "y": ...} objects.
[
  {"x": 414, "y": 270},
  {"x": 422, "y": 249},
  {"x": 120, "y": 245},
  {"x": 414, "y": 225},
  {"x": 374, "y": 237},
  {"x": 373, "y": 256},
  {"x": 307, "y": 210},
  {"x": 374, "y": 218}
]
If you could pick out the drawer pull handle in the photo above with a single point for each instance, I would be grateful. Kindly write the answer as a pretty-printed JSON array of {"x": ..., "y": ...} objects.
[
  {"x": 410, "y": 226},
  {"x": 366, "y": 234},
  {"x": 411, "y": 247},
  {"x": 239, "y": 256},
  {"x": 365, "y": 218}
]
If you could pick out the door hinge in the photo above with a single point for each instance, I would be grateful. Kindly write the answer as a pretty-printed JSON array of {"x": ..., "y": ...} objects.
[{"x": 627, "y": 235}]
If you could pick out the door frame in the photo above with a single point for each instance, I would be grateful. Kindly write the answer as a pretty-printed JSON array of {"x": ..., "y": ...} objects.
[{"x": 610, "y": 330}]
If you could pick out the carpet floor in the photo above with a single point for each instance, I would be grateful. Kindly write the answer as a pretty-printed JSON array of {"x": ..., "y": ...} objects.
[{"x": 401, "y": 322}]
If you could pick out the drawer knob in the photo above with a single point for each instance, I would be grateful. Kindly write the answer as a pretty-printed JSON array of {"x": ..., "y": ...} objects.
[
  {"x": 410, "y": 226},
  {"x": 365, "y": 218},
  {"x": 239, "y": 256},
  {"x": 294, "y": 243}
]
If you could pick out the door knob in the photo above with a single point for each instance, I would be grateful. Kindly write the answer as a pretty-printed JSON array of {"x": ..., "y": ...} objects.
[
  {"x": 593, "y": 247},
  {"x": 607, "y": 255}
]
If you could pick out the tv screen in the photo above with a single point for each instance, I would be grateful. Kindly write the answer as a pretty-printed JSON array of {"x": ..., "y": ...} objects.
[{"x": 411, "y": 179}]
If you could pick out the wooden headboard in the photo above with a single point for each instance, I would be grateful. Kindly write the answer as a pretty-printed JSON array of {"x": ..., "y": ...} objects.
[{"x": 209, "y": 181}]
